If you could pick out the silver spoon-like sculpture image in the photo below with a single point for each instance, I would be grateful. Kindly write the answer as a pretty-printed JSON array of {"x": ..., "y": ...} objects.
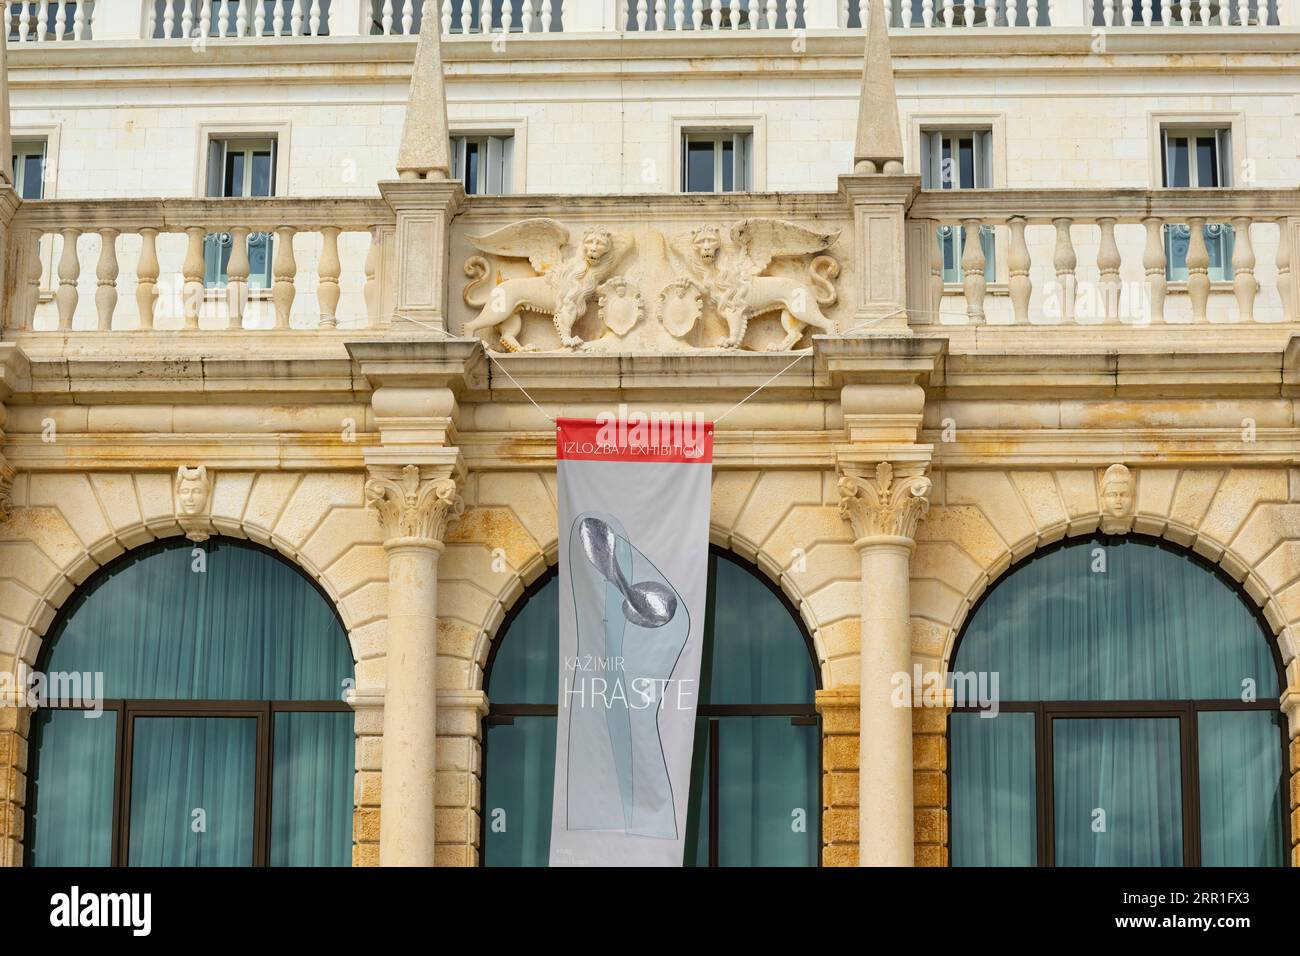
[{"x": 647, "y": 604}]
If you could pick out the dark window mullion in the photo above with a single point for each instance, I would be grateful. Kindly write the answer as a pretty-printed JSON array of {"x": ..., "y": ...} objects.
[{"x": 714, "y": 790}]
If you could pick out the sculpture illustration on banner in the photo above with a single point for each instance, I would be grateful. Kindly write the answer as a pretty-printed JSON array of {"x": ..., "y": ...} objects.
[
  {"x": 562, "y": 288},
  {"x": 632, "y": 620}
]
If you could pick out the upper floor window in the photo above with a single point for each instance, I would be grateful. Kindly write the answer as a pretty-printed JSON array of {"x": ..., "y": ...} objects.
[
  {"x": 28, "y": 160},
  {"x": 1197, "y": 158},
  {"x": 717, "y": 161},
  {"x": 755, "y": 772},
  {"x": 240, "y": 168},
  {"x": 484, "y": 163},
  {"x": 959, "y": 159},
  {"x": 1137, "y": 721},
  {"x": 223, "y": 738}
]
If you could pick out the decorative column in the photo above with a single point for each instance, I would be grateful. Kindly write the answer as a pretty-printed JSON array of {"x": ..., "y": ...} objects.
[
  {"x": 883, "y": 509},
  {"x": 414, "y": 507}
]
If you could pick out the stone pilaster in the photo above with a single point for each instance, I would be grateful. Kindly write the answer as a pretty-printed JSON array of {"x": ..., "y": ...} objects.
[
  {"x": 839, "y": 711},
  {"x": 15, "y": 725},
  {"x": 460, "y": 775},
  {"x": 884, "y": 508},
  {"x": 414, "y": 507},
  {"x": 424, "y": 211}
]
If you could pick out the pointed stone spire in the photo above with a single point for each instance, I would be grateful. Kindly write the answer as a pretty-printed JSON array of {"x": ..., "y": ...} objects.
[
  {"x": 425, "y": 152},
  {"x": 6, "y": 142},
  {"x": 879, "y": 144}
]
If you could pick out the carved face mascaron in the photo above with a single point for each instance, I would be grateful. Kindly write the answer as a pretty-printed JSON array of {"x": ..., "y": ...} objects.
[
  {"x": 191, "y": 491},
  {"x": 706, "y": 244},
  {"x": 595, "y": 246},
  {"x": 1116, "y": 500}
]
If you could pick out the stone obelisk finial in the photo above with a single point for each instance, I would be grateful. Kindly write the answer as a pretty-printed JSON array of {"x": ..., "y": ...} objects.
[
  {"x": 879, "y": 144},
  {"x": 425, "y": 152},
  {"x": 6, "y": 142}
]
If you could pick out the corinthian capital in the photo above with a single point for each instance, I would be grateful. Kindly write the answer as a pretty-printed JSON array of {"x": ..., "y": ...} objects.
[
  {"x": 884, "y": 505},
  {"x": 6, "y": 489},
  {"x": 411, "y": 507}
]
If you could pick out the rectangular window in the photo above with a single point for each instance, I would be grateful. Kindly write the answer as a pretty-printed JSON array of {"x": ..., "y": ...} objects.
[
  {"x": 239, "y": 169},
  {"x": 28, "y": 159},
  {"x": 717, "y": 161},
  {"x": 484, "y": 163},
  {"x": 959, "y": 159},
  {"x": 1197, "y": 159}
]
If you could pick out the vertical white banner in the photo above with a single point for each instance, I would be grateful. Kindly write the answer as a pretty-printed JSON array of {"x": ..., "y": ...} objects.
[{"x": 634, "y": 496}]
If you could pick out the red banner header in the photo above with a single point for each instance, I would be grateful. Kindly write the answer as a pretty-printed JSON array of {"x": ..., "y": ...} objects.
[{"x": 635, "y": 436}]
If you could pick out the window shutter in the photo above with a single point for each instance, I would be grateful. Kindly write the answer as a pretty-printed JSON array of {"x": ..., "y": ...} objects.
[
  {"x": 1223, "y": 153},
  {"x": 495, "y": 152},
  {"x": 507, "y": 165},
  {"x": 275, "y": 152},
  {"x": 216, "y": 167},
  {"x": 984, "y": 159}
]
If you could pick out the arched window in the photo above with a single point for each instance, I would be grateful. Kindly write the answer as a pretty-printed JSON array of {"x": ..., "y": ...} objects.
[
  {"x": 1138, "y": 722},
  {"x": 755, "y": 775},
  {"x": 223, "y": 738}
]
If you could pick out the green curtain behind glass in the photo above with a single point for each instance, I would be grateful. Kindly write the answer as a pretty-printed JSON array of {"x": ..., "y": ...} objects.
[
  {"x": 1242, "y": 815},
  {"x": 249, "y": 627},
  {"x": 311, "y": 789},
  {"x": 1154, "y": 626},
  {"x": 1118, "y": 792},
  {"x": 754, "y": 653},
  {"x": 993, "y": 790},
  {"x": 192, "y": 791},
  {"x": 72, "y": 788}
]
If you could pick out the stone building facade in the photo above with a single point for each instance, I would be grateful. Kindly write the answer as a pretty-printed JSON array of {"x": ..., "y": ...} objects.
[{"x": 891, "y": 441}]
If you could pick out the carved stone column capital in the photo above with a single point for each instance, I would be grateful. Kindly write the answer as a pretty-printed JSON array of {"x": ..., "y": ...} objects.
[
  {"x": 884, "y": 505},
  {"x": 413, "y": 509}
]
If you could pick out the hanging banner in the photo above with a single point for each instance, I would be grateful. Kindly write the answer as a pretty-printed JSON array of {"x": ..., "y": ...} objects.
[{"x": 634, "y": 495}]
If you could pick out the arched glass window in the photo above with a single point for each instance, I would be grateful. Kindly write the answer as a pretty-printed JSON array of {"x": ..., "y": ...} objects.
[
  {"x": 223, "y": 738},
  {"x": 1138, "y": 722},
  {"x": 755, "y": 775}
]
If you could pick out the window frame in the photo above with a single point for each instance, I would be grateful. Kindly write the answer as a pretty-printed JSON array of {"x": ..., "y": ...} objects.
[
  {"x": 218, "y": 150},
  {"x": 484, "y": 141},
  {"x": 128, "y": 709},
  {"x": 742, "y": 158},
  {"x": 799, "y": 714},
  {"x": 1219, "y": 236},
  {"x": 1185, "y": 709}
]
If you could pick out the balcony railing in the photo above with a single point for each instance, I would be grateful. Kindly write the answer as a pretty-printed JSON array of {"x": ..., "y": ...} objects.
[{"x": 42, "y": 21}]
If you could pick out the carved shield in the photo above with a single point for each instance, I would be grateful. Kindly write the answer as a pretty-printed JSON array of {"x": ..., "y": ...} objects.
[
  {"x": 620, "y": 306},
  {"x": 680, "y": 306}
]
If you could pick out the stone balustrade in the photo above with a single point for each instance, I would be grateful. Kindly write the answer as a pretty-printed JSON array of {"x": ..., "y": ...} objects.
[
  {"x": 111, "y": 265},
  {"x": 191, "y": 21},
  {"x": 1124, "y": 256}
]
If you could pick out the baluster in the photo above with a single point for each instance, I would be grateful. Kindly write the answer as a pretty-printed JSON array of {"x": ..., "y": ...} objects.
[
  {"x": 968, "y": 12},
  {"x": 193, "y": 289},
  {"x": 507, "y": 15},
  {"x": 947, "y": 13},
  {"x": 328, "y": 290},
  {"x": 187, "y": 17},
  {"x": 1108, "y": 262},
  {"x": 936, "y": 277},
  {"x": 1153, "y": 264},
  {"x": 1198, "y": 270},
  {"x": 863, "y": 10},
  {"x": 237, "y": 270},
  {"x": 679, "y": 14},
  {"x": 313, "y": 21},
  {"x": 205, "y": 18},
  {"x": 106, "y": 279},
  {"x": 1284, "y": 269},
  {"x": 285, "y": 267},
  {"x": 42, "y": 20},
  {"x": 1205, "y": 12},
  {"x": 905, "y": 14},
  {"x": 446, "y": 16},
  {"x": 60, "y": 21},
  {"x": 770, "y": 19},
  {"x": 32, "y": 279},
  {"x": 259, "y": 18},
  {"x": 1166, "y": 13},
  {"x": 697, "y": 13},
  {"x": 1018, "y": 263},
  {"x": 642, "y": 12},
  {"x": 370, "y": 290},
  {"x": 223, "y": 19},
  {"x": 69, "y": 271},
  {"x": 277, "y": 18},
  {"x": 546, "y": 16},
  {"x": 146, "y": 272},
  {"x": 1127, "y": 7},
  {"x": 295, "y": 18},
  {"x": 791, "y": 11},
  {"x": 1013, "y": 12},
  {"x": 1185, "y": 8},
  {"x": 1243, "y": 12},
  {"x": 1031, "y": 12},
  {"x": 1064, "y": 260},
  {"x": 927, "y": 13},
  {"x": 1225, "y": 13},
  {"x": 972, "y": 266},
  {"x": 408, "y": 16},
  {"x": 466, "y": 15},
  {"x": 24, "y": 21},
  {"x": 1146, "y": 13},
  {"x": 733, "y": 14},
  {"x": 526, "y": 15},
  {"x": 1244, "y": 285},
  {"x": 78, "y": 20},
  {"x": 485, "y": 16},
  {"x": 990, "y": 13},
  {"x": 1108, "y": 12},
  {"x": 715, "y": 14}
]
